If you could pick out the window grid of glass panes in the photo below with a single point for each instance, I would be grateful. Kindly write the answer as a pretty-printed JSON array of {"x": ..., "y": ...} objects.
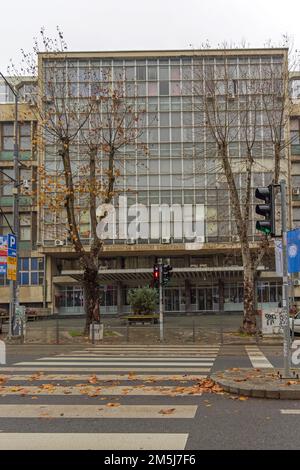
[
  {"x": 31, "y": 271},
  {"x": 182, "y": 165}
]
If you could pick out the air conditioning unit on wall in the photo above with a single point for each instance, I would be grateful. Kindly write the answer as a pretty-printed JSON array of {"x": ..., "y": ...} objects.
[
  {"x": 59, "y": 242},
  {"x": 131, "y": 241},
  {"x": 296, "y": 191},
  {"x": 166, "y": 240}
]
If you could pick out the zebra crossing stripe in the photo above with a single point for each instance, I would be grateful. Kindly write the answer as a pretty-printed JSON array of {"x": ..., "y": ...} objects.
[
  {"x": 104, "y": 377},
  {"x": 177, "y": 365},
  {"x": 152, "y": 347},
  {"x": 122, "y": 360},
  {"x": 257, "y": 358},
  {"x": 290, "y": 412},
  {"x": 90, "y": 390},
  {"x": 148, "y": 349},
  {"x": 35, "y": 368},
  {"x": 92, "y": 441},
  {"x": 97, "y": 411},
  {"x": 133, "y": 354}
]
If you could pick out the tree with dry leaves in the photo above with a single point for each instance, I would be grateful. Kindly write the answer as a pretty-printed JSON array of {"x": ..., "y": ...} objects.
[
  {"x": 248, "y": 105},
  {"x": 86, "y": 127}
]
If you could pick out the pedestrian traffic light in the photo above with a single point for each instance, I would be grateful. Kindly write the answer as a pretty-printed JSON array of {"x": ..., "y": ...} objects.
[
  {"x": 267, "y": 209},
  {"x": 166, "y": 273},
  {"x": 155, "y": 280}
]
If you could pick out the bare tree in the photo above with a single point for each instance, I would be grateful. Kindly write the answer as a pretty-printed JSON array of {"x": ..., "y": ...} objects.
[
  {"x": 245, "y": 105},
  {"x": 86, "y": 130}
]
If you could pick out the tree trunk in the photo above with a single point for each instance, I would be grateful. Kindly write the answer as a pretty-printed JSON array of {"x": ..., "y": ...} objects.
[
  {"x": 249, "y": 320},
  {"x": 91, "y": 289}
]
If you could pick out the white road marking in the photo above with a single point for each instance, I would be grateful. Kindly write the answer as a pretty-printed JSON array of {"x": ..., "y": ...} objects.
[
  {"x": 290, "y": 412},
  {"x": 121, "y": 360},
  {"x": 101, "y": 390},
  {"x": 257, "y": 358},
  {"x": 92, "y": 441},
  {"x": 104, "y": 377},
  {"x": 177, "y": 365},
  {"x": 101, "y": 369},
  {"x": 133, "y": 355},
  {"x": 97, "y": 411},
  {"x": 154, "y": 346}
]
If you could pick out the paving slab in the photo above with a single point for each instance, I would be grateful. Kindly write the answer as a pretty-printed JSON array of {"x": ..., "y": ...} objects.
[{"x": 259, "y": 383}]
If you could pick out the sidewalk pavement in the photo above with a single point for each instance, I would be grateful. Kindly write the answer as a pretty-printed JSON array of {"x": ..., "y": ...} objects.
[
  {"x": 259, "y": 383},
  {"x": 198, "y": 329}
]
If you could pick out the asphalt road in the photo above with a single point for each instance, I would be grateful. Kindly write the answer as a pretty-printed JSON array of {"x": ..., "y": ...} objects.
[{"x": 219, "y": 421}]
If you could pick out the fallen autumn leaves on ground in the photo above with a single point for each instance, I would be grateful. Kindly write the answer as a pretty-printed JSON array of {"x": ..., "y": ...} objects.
[
  {"x": 167, "y": 411},
  {"x": 199, "y": 387}
]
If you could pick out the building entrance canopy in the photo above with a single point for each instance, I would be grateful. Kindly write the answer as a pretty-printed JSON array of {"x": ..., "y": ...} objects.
[{"x": 145, "y": 274}]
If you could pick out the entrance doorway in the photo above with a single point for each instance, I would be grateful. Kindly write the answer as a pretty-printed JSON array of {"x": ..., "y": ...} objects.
[{"x": 172, "y": 299}]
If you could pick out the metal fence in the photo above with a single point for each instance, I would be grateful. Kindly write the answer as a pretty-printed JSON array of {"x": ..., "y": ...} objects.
[{"x": 201, "y": 329}]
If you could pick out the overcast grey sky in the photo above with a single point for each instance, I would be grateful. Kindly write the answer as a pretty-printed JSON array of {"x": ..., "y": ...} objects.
[{"x": 146, "y": 24}]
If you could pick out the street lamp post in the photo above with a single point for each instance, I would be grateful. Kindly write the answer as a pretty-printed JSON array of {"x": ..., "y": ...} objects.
[{"x": 14, "y": 285}]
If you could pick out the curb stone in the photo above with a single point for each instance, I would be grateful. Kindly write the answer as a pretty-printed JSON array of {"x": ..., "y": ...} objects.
[{"x": 257, "y": 384}]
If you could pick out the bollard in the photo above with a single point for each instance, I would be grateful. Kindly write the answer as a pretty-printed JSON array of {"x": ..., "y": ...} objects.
[
  {"x": 93, "y": 333},
  {"x": 2, "y": 352},
  {"x": 22, "y": 332},
  {"x": 57, "y": 331}
]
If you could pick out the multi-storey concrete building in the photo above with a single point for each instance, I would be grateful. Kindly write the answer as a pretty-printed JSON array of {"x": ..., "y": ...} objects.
[
  {"x": 180, "y": 168},
  {"x": 31, "y": 275}
]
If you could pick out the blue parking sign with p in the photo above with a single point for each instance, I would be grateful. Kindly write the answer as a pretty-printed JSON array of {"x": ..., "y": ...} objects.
[
  {"x": 12, "y": 241},
  {"x": 12, "y": 245}
]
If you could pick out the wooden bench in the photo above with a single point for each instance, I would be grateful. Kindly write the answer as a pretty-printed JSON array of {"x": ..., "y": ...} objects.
[
  {"x": 35, "y": 313},
  {"x": 142, "y": 319}
]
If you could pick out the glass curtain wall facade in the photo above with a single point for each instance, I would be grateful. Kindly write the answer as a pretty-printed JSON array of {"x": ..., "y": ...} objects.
[{"x": 181, "y": 165}]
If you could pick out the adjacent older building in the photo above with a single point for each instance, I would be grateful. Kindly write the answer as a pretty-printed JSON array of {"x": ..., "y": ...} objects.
[{"x": 31, "y": 265}]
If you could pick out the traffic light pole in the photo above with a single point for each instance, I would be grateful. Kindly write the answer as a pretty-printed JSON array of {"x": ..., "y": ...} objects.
[
  {"x": 285, "y": 285},
  {"x": 161, "y": 305}
]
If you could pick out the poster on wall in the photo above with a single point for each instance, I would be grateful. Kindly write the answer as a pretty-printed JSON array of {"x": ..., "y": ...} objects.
[
  {"x": 3, "y": 254},
  {"x": 271, "y": 321}
]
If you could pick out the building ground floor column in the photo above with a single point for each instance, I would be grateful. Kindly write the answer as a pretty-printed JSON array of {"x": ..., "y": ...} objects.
[
  {"x": 221, "y": 296},
  {"x": 119, "y": 298},
  {"x": 187, "y": 288}
]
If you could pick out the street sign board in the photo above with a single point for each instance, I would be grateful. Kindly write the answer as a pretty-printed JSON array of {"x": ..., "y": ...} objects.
[
  {"x": 2, "y": 268},
  {"x": 11, "y": 257},
  {"x": 12, "y": 261},
  {"x": 293, "y": 250},
  {"x": 12, "y": 241},
  {"x": 3, "y": 245},
  {"x": 12, "y": 253},
  {"x": 11, "y": 273},
  {"x": 3, "y": 253}
]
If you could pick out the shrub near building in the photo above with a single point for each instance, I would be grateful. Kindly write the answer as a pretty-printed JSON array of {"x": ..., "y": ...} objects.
[{"x": 143, "y": 300}]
